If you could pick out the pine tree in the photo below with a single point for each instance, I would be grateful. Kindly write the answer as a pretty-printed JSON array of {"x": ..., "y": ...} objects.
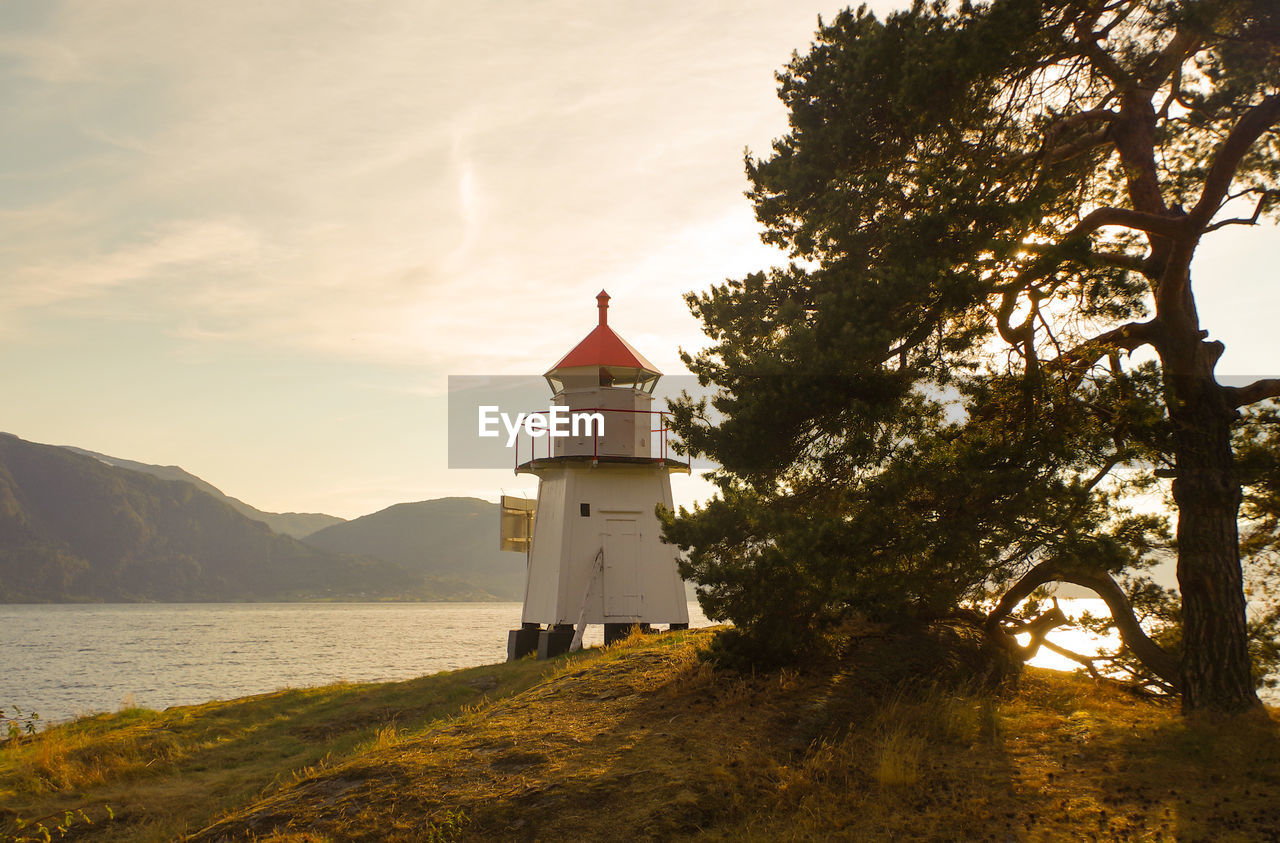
[{"x": 988, "y": 335}]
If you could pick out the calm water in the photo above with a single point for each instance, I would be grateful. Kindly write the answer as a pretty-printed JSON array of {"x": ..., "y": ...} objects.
[{"x": 62, "y": 661}]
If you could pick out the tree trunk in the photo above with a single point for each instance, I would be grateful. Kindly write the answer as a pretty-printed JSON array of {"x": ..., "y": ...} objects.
[{"x": 1215, "y": 654}]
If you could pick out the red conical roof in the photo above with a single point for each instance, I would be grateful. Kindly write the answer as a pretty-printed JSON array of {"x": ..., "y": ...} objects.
[{"x": 602, "y": 347}]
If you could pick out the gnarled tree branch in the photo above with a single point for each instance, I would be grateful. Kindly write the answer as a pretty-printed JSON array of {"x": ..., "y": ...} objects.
[
  {"x": 1129, "y": 336},
  {"x": 1087, "y": 661},
  {"x": 1160, "y": 662},
  {"x": 1259, "y": 390},
  {"x": 1226, "y": 160},
  {"x": 1038, "y": 628},
  {"x": 1163, "y": 226},
  {"x": 1251, "y": 220}
]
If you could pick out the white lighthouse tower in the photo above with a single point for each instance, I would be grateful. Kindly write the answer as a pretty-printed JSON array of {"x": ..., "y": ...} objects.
[{"x": 597, "y": 555}]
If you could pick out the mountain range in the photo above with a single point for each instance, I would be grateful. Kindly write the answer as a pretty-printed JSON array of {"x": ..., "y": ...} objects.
[
  {"x": 80, "y": 526},
  {"x": 443, "y": 537},
  {"x": 296, "y": 524}
]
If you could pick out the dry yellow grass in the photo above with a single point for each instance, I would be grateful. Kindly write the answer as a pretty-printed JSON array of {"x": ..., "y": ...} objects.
[
  {"x": 645, "y": 741},
  {"x": 648, "y": 742},
  {"x": 170, "y": 773}
]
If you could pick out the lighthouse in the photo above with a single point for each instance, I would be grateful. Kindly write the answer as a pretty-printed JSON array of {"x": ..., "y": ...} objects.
[{"x": 596, "y": 554}]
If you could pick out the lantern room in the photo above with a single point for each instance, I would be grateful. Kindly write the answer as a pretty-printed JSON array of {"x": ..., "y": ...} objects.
[
  {"x": 605, "y": 375},
  {"x": 603, "y": 359}
]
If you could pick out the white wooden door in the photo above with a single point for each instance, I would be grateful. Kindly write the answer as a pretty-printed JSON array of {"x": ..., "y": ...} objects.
[{"x": 622, "y": 596}]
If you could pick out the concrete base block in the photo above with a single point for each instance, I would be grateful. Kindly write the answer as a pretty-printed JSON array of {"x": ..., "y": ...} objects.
[
  {"x": 555, "y": 641},
  {"x": 521, "y": 642}
]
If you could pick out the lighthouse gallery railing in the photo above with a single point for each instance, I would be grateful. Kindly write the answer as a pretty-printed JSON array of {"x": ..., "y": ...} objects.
[{"x": 660, "y": 431}]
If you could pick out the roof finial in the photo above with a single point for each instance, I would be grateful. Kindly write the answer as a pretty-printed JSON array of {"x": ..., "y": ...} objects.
[{"x": 602, "y": 302}]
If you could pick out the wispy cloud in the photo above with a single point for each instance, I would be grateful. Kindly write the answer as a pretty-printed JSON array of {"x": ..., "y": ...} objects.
[
  {"x": 407, "y": 188},
  {"x": 175, "y": 247},
  {"x": 376, "y": 182}
]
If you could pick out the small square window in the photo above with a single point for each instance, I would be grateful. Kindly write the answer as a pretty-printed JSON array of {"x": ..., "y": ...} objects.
[{"x": 585, "y": 509}]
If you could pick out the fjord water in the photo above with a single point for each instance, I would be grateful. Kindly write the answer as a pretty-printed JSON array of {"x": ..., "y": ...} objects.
[{"x": 66, "y": 660}]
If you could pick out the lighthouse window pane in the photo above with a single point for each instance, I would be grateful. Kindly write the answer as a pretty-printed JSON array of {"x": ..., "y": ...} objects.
[{"x": 585, "y": 509}]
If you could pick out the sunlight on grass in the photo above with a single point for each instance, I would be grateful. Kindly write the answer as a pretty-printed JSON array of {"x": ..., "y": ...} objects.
[
  {"x": 898, "y": 759},
  {"x": 647, "y": 739},
  {"x": 168, "y": 774}
]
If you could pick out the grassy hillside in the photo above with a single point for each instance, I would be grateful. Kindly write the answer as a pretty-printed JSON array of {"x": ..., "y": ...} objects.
[
  {"x": 448, "y": 537},
  {"x": 296, "y": 524},
  {"x": 643, "y": 740},
  {"x": 74, "y": 528}
]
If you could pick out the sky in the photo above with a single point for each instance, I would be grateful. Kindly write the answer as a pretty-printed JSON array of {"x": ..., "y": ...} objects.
[{"x": 255, "y": 239}]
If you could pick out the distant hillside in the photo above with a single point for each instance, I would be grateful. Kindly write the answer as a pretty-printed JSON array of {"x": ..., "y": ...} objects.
[
  {"x": 296, "y": 524},
  {"x": 453, "y": 537},
  {"x": 73, "y": 528}
]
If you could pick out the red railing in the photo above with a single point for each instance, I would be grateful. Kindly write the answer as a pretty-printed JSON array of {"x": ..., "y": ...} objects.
[{"x": 661, "y": 431}]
